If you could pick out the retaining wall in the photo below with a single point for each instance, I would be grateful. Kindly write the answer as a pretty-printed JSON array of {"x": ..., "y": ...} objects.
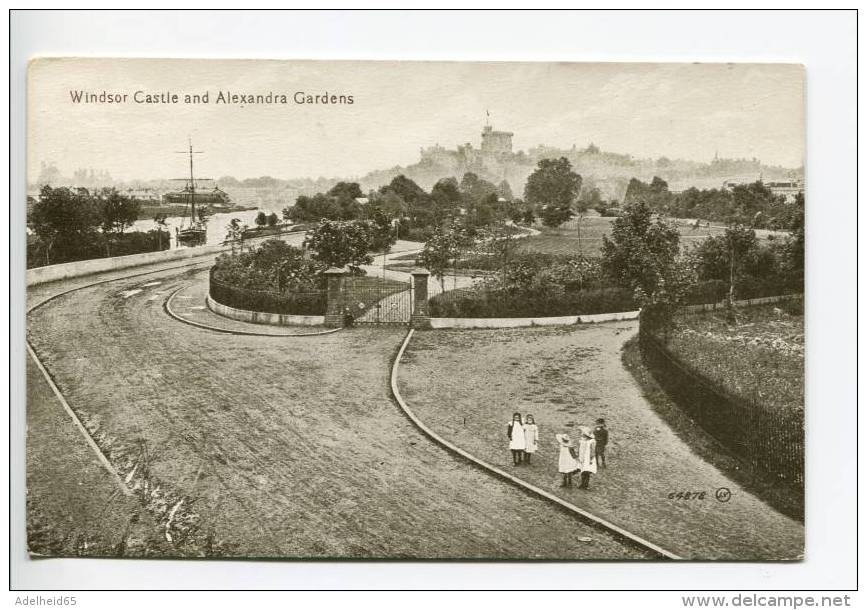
[
  {"x": 52, "y": 273},
  {"x": 258, "y": 317}
]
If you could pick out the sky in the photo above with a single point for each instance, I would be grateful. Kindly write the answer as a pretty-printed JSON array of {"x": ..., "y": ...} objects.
[{"x": 685, "y": 111}]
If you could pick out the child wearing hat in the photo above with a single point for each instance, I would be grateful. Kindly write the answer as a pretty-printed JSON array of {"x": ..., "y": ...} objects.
[
  {"x": 567, "y": 464},
  {"x": 586, "y": 456},
  {"x": 600, "y": 433}
]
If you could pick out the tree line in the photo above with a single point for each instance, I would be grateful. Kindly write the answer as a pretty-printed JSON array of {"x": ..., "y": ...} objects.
[
  {"x": 751, "y": 204},
  {"x": 70, "y": 224}
]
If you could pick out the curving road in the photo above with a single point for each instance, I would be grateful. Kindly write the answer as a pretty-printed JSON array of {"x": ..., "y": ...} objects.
[{"x": 259, "y": 446}]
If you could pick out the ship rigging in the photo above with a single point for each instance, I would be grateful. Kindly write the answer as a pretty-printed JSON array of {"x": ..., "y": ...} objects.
[{"x": 192, "y": 231}]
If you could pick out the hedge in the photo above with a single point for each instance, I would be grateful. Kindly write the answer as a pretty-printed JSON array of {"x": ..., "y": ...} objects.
[{"x": 497, "y": 303}]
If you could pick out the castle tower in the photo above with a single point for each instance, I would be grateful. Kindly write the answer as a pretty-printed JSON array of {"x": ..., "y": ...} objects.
[{"x": 496, "y": 142}]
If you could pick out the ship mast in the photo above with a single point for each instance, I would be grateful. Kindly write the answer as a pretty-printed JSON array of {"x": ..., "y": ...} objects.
[
  {"x": 192, "y": 188},
  {"x": 192, "y": 152}
]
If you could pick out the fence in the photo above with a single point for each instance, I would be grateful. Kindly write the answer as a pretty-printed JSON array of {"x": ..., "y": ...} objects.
[
  {"x": 308, "y": 303},
  {"x": 771, "y": 440}
]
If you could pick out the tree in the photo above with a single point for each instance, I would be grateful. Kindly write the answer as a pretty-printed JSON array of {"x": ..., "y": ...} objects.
[
  {"x": 475, "y": 189},
  {"x": 505, "y": 191},
  {"x": 64, "y": 220},
  {"x": 656, "y": 194},
  {"x": 261, "y": 219},
  {"x": 382, "y": 234},
  {"x": 414, "y": 197},
  {"x": 443, "y": 249},
  {"x": 553, "y": 186},
  {"x": 273, "y": 219},
  {"x": 234, "y": 233},
  {"x": 447, "y": 197},
  {"x": 553, "y": 216},
  {"x": 341, "y": 244},
  {"x": 160, "y": 222},
  {"x": 792, "y": 262},
  {"x": 641, "y": 253},
  {"x": 344, "y": 195},
  {"x": 484, "y": 211},
  {"x": 750, "y": 199},
  {"x": 117, "y": 212}
]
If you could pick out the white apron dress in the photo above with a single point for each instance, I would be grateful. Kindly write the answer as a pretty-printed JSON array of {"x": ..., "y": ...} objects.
[
  {"x": 567, "y": 462},
  {"x": 531, "y": 438},
  {"x": 517, "y": 442},
  {"x": 587, "y": 455}
]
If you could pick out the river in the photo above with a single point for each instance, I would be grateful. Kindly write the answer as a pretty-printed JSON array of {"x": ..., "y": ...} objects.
[{"x": 217, "y": 225}]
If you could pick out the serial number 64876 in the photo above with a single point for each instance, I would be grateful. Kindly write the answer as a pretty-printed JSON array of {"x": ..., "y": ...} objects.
[{"x": 687, "y": 495}]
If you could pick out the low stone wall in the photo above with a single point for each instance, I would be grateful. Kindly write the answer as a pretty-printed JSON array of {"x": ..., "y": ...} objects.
[
  {"x": 258, "y": 317},
  {"x": 525, "y": 322},
  {"x": 63, "y": 271},
  {"x": 52, "y": 273}
]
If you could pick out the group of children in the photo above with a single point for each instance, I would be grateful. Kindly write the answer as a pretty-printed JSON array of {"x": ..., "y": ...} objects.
[{"x": 581, "y": 456}]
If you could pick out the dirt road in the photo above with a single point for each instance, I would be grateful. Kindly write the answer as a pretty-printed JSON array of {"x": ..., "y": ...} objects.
[{"x": 264, "y": 446}]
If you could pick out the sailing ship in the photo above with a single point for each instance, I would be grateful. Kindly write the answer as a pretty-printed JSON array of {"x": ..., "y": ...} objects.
[{"x": 192, "y": 231}]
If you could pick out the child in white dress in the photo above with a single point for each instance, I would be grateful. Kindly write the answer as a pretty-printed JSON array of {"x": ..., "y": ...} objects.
[
  {"x": 531, "y": 437},
  {"x": 567, "y": 464},
  {"x": 586, "y": 456},
  {"x": 517, "y": 440}
]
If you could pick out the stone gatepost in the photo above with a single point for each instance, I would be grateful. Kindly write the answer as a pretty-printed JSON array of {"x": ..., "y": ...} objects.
[
  {"x": 420, "y": 310},
  {"x": 334, "y": 297}
]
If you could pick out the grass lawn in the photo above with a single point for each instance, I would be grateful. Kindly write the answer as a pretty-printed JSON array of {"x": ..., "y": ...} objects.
[
  {"x": 465, "y": 384},
  {"x": 565, "y": 239},
  {"x": 265, "y": 446},
  {"x": 760, "y": 356}
]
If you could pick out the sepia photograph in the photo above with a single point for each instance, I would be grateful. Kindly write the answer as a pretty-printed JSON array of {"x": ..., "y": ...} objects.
[{"x": 415, "y": 310}]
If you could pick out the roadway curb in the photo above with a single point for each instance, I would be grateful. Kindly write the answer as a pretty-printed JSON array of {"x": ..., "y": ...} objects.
[
  {"x": 167, "y": 306},
  {"x": 99, "y": 454},
  {"x": 545, "y": 495}
]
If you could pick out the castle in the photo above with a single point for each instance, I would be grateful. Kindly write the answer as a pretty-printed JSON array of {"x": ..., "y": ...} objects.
[{"x": 494, "y": 154}]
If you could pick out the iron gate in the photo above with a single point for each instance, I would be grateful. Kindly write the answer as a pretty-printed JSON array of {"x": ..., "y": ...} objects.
[{"x": 376, "y": 300}]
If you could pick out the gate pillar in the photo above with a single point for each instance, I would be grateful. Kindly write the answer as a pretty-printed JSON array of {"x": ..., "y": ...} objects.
[
  {"x": 334, "y": 297},
  {"x": 420, "y": 310}
]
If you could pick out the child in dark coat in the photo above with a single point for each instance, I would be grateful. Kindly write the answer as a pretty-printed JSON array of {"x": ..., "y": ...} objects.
[{"x": 600, "y": 433}]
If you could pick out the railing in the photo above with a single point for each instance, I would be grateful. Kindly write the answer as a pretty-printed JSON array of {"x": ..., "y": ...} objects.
[
  {"x": 308, "y": 303},
  {"x": 772, "y": 440}
]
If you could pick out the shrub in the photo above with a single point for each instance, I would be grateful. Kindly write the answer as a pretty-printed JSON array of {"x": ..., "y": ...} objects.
[
  {"x": 275, "y": 278},
  {"x": 707, "y": 291},
  {"x": 483, "y": 302},
  {"x": 298, "y": 303}
]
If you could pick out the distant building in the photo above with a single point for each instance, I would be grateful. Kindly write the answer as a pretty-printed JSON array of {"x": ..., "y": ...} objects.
[
  {"x": 787, "y": 188},
  {"x": 144, "y": 195}
]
